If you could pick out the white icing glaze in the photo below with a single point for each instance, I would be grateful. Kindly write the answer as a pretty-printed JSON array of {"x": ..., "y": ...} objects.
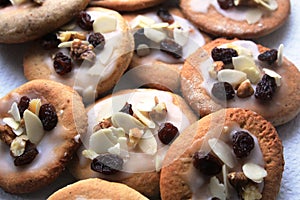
[{"x": 137, "y": 162}]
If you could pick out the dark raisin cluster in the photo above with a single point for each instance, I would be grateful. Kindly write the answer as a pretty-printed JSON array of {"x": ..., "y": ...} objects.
[
  {"x": 62, "y": 64},
  {"x": 269, "y": 56},
  {"x": 223, "y": 54},
  {"x": 97, "y": 40},
  {"x": 28, "y": 156},
  {"x": 107, "y": 164},
  {"x": 23, "y": 105},
  {"x": 127, "y": 108},
  {"x": 84, "y": 21},
  {"x": 207, "y": 163},
  {"x": 170, "y": 47},
  {"x": 223, "y": 91},
  {"x": 165, "y": 16},
  {"x": 242, "y": 143},
  {"x": 266, "y": 88},
  {"x": 167, "y": 133},
  {"x": 50, "y": 41},
  {"x": 48, "y": 116}
]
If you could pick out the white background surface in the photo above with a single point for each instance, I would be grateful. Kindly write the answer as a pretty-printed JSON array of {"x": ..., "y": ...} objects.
[{"x": 11, "y": 76}]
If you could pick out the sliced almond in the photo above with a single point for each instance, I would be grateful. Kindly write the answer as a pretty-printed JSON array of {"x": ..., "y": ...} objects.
[
  {"x": 159, "y": 25},
  {"x": 253, "y": 15},
  {"x": 223, "y": 151},
  {"x": 216, "y": 188},
  {"x": 90, "y": 154},
  {"x": 254, "y": 172},
  {"x": 34, "y": 127},
  {"x": 234, "y": 77},
  {"x": 146, "y": 105},
  {"x": 65, "y": 44},
  {"x": 145, "y": 120},
  {"x": 125, "y": 121},
  {"x": 135, "y": 135},
  {"x": 225, "y": 179},
  {"x": 14, "y": 111},
  {"x": 17, "y": 146},
  {"x": 123, "y": 146},
  {"x": 280, "y": 55},
  {"x": 155, "y": 35},
  {"x": 117, "y": 132},
  {"x": 101, "y": 141},
  {"x": 115, "y": 149},
  {"x": 159, "y": 112},
  {"x": 141, "y": 21},
  {"x": 11, "y": 122},
  {"x": 273, "y": 74},
  {"x": 34, "y": 106},
  {"x": 181, "y": 36},
  {"x": 148, "y": 143},
  {"x": 105, "y": 24},
  {"x": 19, "y": 131}
]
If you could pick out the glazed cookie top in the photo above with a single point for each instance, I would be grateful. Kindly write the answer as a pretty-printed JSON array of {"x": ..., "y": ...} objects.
[
  {"x": 24, "y": 20},
  {"x": 242, "y": 19},
  {"x": 89, "y": 54},
  {"x": 230, "y": 154},
  {"x": 240, "y": 73},
  {"x": 134, "y": 128}
]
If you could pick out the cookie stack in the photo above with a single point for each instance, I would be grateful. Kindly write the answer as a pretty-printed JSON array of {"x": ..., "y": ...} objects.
[{"x": 146, "y": 99}]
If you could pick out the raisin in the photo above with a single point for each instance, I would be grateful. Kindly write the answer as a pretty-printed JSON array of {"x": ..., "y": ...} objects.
[
  {"x": 207, "y": 163},
  {"x": 223, "y": 54},
  {"x": 50, "y": 41},
  {"x": 242, "y": 143},
  {"x": 28, "y": 156},
  {"x": 62, "y": 64},
  {"x": 266, "y": 88},
  {"x": 84, "y": 21},
  {"x": 127, "y": 109},
  {"x": 171, "y": 47},
  {"x": 97, "y": 40},
  {"x": 223, "y": 91},
  {"x": 268, "y": 56},
  {"x": 48, "y": 116},
  {"x": 167, "y": 133},
  {"x": 23, "y": 105},
  {"x": 107, "y": 164},
  {"x": 226, "y": 4},
  {"x": 140, "y": 38},
  {"x": 165, "y": 16}
]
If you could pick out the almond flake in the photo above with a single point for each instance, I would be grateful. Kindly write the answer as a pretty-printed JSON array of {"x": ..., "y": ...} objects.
[
  {"x": 273, "y": 74},
  {"x": 253, "y": 15},
  {"x": 125, "y": 121},
  {"x": 115, "y": 149},
  {"x": 216, "y": 188},
  {"x": 234, "y": 77},
  {"x": 11, "y": 122},
  {"x": 280, "y": 54},
  {"x": 141, "y": 21},
  {"x": 102, "y": 140},
  {"x": 145, "y": 120},
  {"x": 17, "y": 146},
  {"x": 148, "y": 143},
  {"x": 19, "y": 131},
  {"x": 254, "y": 172},
  {"x": 181, "y": 36},
  {"x": 155, "y": 35},
  {"x": 105, "y": 24},
  {"x": 90, "y": 154},
  {"x": 34, "y": 127},
  {"x": 123, "y": 146}
]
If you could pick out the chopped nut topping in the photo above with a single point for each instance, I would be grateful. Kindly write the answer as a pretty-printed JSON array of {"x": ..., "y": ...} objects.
[
  {"x": 159, "y": 112},
  {"x": 245, "y": 89},
  {"x": 237, "y": 180},
  {"x": 105, "y": 123},
  {"x": 82, "y": 51},
  {"x": 251, "y": 192},
  {"x": 6, "y": 134},
  {"x": 17, "y": 146},
  {"x": 135, "y": 135},
  {"x": 71, "y": 35}
]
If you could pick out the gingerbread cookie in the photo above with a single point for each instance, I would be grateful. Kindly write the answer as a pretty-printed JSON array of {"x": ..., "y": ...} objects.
[
  {"x": 90, "y": 54},
  {"x": 95, "y": 188},
  {"x": 24, "y": 20},
  {"x": 128, "y": 135},
  {"x": 163, "y": 40},
  {"x": 240, "y": 73},
  {"x": 242, "y": 19},
  {"x": 126, "y": 5},
  {"x": 40, "y": 125},
  {"x": 229, "y": 154}
]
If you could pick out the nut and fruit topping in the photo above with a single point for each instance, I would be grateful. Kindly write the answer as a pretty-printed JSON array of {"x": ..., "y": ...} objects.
[
  {"x": 50, "y": 41},
  {"x": 226, "y": 4},
  {"x": 105, "y": 123},
  {"x": 6, "y": 134},
  {"x": 127, "y": 109},
  {"x": 207, "y": 163},
  {"x": 135, "y": 135},
  {"x": 23, "y": 105},
  {"x": 82, "y": 51},
  {"x": 97, "y": 40},
  {"x": 245, "y": 89},
  {"x": 223, "y": 54},
  {"x": 28, "y": 156},
  {"x": 167, "y": 133},
  {"x": 107, "y": 164},
  {"x": 269, "y": 56},
  {"x": 70, "y": 35},
  {"x": 238, "y": 180},
  {"x": 62, "y": 64},
  {"x": 171, "y": 47},
  {"x": 84, "y": 21},
  {"x": 251, "y": 192},
  {"x": 242, "y": 143},
  {"x": 266, "y": 88},
  {"x": 223, "y": 91},
  {"x": 165, "y": 16},
  {"x": 17, "y": 146},
  {"x": 48, "y": 116},
  {"x": 254, "y": 172}
]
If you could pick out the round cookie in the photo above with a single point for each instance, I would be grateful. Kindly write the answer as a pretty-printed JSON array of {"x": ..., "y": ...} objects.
[
  {"x": 90, "y": 64},
  {"x": 126, "y": 5},
  {"x": 214, "y": 136},
  {"x": 200, "y": 74},
  {"x": 29, "y": 21},
  {"x": 40, "y": 125},
  {"x": 241, "y": 21},
  {"x": 95, "y": 188},
  {"x": 127, "y": 137},
  {"x": 155, "y": 68}
]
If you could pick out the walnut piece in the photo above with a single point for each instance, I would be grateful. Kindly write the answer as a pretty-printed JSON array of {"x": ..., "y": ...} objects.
[
  {"x": 237, "y": 179},
  {"x": 245, "y": 89},
  {"x": 6, "y": 134},
  {"x": 251, "y": 192},
  {"x": 135, "y": 135},
  {"x": 82, "y": 51}
]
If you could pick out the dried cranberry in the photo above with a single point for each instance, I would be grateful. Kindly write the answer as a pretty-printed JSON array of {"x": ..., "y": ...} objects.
[
  {"x": 23, "y": 105},
  {"x": 127, "y": 109},
  {"x": 62, "y": 64},
  {"x": 207, "y": 163},
  {"x": 242, "y": 143},
  {"x": 48, "y": 116},
  {"x": 97, "y": 40},
  {"x": 226, "y": 4},
  {"x": 28, "y": 156},
  {"x": 167, "y": 133},
  {"x": 165, "y": 16},
  {"x": 50, "y": 41},
  {"x": 266, "y": 88},
  {"x": 171, "y": 47},
  {"x": 84, "y": 21},
  {"x": 223, "y": 91},
  {"x": 268, "y": 56},
  {"x": 140, "y": 38},
  {"x": 107, "y": 164},
  {"x": 223, "y": 54}
]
